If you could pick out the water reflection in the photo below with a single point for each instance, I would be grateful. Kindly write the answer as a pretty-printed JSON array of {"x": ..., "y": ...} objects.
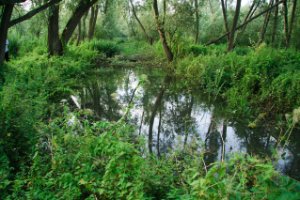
[{"x": 176, "y": 119}]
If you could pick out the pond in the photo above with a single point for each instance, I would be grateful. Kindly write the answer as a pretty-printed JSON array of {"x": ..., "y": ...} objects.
[{"x": 172, "y": 118}]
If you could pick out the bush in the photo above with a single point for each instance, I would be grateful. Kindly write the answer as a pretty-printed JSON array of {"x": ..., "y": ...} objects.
[
  {"x": 102, "y": 161},
  {"x": 95, "y": 162},
  {"x": 34, "y": 84},
  {"x": 108, "y": 48},
  {"x": 197, "y": 50},
  {"x": 264, "y": 78}
]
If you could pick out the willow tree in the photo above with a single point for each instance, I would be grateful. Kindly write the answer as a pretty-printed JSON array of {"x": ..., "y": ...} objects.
[
  {"x": 93, "y": 21},
  {"x": 265, "y": 24},
  {"x": 289, "y": 24},
  {"x": 161, "y": 31},
  {"x": 55, "y": 41},
  {"x": 7, "y": 22},
  {"x": 245, "y": 23},
  {"x": 231, "y": 36},
  {"x": 147, "y": 36},
  {"x": 5, "y": 19}
]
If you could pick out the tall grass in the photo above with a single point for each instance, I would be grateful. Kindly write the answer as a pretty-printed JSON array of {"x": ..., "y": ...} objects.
[{"x": 262, "y": 77}]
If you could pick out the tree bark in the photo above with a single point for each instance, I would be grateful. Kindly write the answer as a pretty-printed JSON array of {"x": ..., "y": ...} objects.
[
  {"x": 81, "y": 9},
  {"x": 91, "y": 21},
  {"x": 285, "y": 22},
  {"x": 5, "y": 19},
  {"x": 292, "y": 21},
  {"x": 79, "y": 34},
  {"x": 149, "y": 39},
  {"x": 162, "y": 34},
  {"x": 265, "y": 24},
  {"x": 275, "y": 23},
  {"x": 251, "y": 12},
  {"x": 234, "y": 25},
  {"x": 94, "y": 22},
  {"x": 54, "y": 42},
  {"x": 83, "y": 21},
  {"x": 197, "y": 21},
  {"x": 224, "y": 11},
  {"x": 106, "y": 6}
]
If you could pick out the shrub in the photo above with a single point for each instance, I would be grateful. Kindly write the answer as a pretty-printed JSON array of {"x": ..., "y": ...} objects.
[
  {"x": 108, "y": 48},
  {"x": 197, "y": 50},
  {"x": 264, "y": 78},
  {"x": 34, "y": 84}
]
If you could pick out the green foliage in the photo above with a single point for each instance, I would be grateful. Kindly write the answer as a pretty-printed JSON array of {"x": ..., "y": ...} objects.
[
  {"x": 108, "y": 48},
  {"x": 241, "y": 178},
  {"x": 197, "y": 50},
  {"x": 33, "y": 86},
  {"x": 4, "y": 172},
  {"x": 83, "y": 160},
  {"x": 264, "y": 78},
  {"x": 48, "y": 151},
  {"x": 94, "y": 161},
  {"x": 21, "y": 44}
]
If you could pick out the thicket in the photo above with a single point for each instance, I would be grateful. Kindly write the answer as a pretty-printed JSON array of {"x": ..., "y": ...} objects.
[
  {"x": 34, "y": 85},
  {"x": 262, "y": 77}
]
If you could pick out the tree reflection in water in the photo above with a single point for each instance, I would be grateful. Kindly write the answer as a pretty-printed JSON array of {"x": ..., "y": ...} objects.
[{"x": 171, "y": 118}]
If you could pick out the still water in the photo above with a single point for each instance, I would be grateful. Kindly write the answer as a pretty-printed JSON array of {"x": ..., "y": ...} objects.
[{"x": 173, "y": 118}]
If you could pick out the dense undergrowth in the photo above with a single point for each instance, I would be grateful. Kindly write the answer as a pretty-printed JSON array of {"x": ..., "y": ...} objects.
[
  {"x": 262, "y": 78},
  {"x": 102, "y": 160},
  {"x": 44, "y": 156}
]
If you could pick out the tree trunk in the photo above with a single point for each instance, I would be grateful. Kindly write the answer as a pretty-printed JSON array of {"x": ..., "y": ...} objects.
[
  {"x": 275, "y": 23},
  {"x": 5, "y": 19},
  {"x": 54, "y": 42},
  {"x": 245, "y": 23},
  {"x": 197, "y": 21},
  {"x": 81, "y": 9},
  {"x": 106, "y": 6},
  {"x": 91, "y": 21},
  {"x": 79, "y": 34},
  {"x": 149, "y": 39},
  {"x": 83, "y": 22},
  {"x": 265, "y": 25},
  {"x": 292, "y": 20},
  {"x": 164, "y": 11},
  {"x": 234, "y": 25},
  {"x": 95, "y": 20},
  {"x": 224, "y": 11},
  {"x": 286, "y": 22},
  {"x": 251, "y": 12},
  {"x": 161, "y": 32}
]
